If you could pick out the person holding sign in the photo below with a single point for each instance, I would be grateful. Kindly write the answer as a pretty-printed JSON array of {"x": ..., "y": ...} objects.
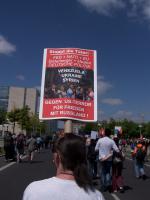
[{"x": 72, "y": 180}]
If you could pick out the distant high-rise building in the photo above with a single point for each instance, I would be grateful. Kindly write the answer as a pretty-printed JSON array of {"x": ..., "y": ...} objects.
[
  {"x": 4, "y": 95},
  {"x": 18, "y": 97},
  {"x": 31, "y": 99}
]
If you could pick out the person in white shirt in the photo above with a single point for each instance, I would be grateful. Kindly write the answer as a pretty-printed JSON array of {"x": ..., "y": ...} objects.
[
  {"x": 106, "y": 146},
  {"x": 72, "y": 180}
]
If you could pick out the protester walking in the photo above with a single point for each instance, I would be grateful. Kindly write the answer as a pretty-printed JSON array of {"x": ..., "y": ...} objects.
[
  {"x": 20, "y": 144},
  {"x": 9, "y": 147},
  {"x": 106, "y": 146},
  {"x": 138, "y": 158},
  {"x": 32, "y": 146},
  {"x": 39, "y": 143},
  {"x": 117, "y": 167},
  {"x": 72, "y": 180},
  {"x": 92, "y": 158}
]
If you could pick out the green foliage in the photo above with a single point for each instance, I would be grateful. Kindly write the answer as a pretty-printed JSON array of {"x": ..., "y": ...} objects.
[
  {"x": 130, "y": 128},
  {"x": 28, "y": 122},
  {"x": 90, "y": 126},
  {"x": 3, "y": 114},
  {"x": 147, "y": 130},
  {"x": 13, "y": 117},
  {"x": 35, "y": 126},
  {"x": 23, "y": 117}
]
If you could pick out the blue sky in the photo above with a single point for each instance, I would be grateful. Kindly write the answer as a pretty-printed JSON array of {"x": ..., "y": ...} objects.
[{"x": 118, "y": 29}]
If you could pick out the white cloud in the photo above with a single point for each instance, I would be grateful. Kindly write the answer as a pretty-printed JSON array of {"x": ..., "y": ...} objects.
[
  {"x": 103, "y": 6},
  {"x": 20, "y": 77},
  {"x": 139, "y": 8},
  {"x": 146, "y": 9},
  {"x": 102, "y": 85},
  {"x": 122, "y": 114},
  {"x": 6, "y": 47},
  {"x": 134, "y": 8},
  {"x": 112, "y": 101}
]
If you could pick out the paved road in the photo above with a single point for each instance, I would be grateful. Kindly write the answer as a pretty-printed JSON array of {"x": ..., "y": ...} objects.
[{"x": 14, "y": 179}]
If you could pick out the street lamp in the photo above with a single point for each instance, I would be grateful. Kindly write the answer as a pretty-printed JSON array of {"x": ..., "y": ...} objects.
[{"x": 140, "y": 127}]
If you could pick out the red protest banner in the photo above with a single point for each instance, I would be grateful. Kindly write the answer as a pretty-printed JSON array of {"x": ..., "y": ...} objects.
[{"x": 69, "y": 84}]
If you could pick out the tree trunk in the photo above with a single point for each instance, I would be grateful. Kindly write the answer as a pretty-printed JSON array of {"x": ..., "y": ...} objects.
[{"x": 14, "y": 127}]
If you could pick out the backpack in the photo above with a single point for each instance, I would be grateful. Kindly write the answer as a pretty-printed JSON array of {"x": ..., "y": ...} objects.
[{"x": 140, "y": 155}]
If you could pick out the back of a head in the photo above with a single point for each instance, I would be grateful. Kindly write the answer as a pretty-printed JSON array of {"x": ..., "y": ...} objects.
[
  {"x": 139, "y": 145},
  {"x": 107, "y": 132},
  {"x": 72, "y": 151}
]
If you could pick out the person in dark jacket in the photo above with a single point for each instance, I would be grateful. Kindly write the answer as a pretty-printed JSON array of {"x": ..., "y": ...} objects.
[
  {"x": 117, "y": 167},
  {"x": 9, "y": 147},
  {"x": 92, "y": 158}
]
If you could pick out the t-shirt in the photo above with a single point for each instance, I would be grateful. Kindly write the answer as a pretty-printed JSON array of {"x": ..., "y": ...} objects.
[
  {"x": 105, "y": 146},
  {"x": 59, "y": 189}
]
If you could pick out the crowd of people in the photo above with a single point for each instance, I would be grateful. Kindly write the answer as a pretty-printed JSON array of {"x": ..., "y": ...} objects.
[
  {"x": 17, "y": 146},
  {"x": 70, "y": 91},
  {"x": 81, "y": 160},
  {"x": 72, "y": 179},
  {"x": 105, "y": 160}
]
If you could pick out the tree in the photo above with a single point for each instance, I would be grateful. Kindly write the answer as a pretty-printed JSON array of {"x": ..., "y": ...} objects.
[
  {"x": 147, "y": 129},
  {"x": 23, "y": 117},
  {"x": 90, "y": 127},
  {"x": 13, "y": 117},
  {"x": 36, "y": 126},
  {"x": 111, "y": 125},
  {"x": 3, "y": 114},
  {"x": 41, "y": 127},
  {"x": 34, "y": 121}
]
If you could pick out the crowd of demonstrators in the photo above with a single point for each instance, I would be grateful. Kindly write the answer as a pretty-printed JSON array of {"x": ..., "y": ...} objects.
[
  {"x": 72, "y": 174},
  {"x": 105, "y": 158},
  {"x": 69, "y": 91},
  {"x": 16, "y": 146}
]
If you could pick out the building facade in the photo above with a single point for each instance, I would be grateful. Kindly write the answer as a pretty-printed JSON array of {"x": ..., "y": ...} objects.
[
  {"x": 31, "y": 99},
  {"x": 16, "y": 98},
  {"x": 20, "y": 97},
  {"x": 4, "y": 96}
]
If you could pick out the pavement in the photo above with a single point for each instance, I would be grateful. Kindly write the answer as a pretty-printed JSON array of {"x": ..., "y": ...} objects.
[{"x": 15, "y": 177}]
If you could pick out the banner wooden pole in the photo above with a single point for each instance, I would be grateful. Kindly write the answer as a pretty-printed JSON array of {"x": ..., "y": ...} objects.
[{"x": 68, "y": 126}]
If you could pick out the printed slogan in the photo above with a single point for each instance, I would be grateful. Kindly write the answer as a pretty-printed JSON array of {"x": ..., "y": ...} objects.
[{"x": 69, "y": 85}]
